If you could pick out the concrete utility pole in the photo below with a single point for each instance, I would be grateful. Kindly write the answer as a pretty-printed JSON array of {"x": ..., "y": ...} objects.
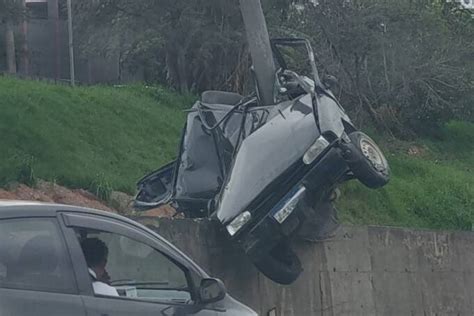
[
  {"x": 260, "y": 49},
  {"x": 71, "y": 44}
]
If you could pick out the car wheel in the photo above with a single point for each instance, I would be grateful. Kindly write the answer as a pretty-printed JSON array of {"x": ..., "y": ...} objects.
[
  {"x": 367, "y": 161},
  {"x": 280, "y": 265}
]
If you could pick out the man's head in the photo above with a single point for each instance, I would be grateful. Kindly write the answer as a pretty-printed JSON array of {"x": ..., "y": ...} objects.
[{"x": 95, "y": 252}]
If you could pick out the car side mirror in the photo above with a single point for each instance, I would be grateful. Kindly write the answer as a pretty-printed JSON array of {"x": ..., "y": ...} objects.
[
  {"x": 330, "y": 82},
  {"x": 211, "y": 290}
]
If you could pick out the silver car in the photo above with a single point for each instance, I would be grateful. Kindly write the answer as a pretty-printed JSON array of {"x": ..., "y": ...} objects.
[{"x": 46, "y": 268}]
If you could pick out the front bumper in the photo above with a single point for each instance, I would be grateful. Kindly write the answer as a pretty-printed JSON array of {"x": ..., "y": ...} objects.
[{"x": 263, "y": 233}]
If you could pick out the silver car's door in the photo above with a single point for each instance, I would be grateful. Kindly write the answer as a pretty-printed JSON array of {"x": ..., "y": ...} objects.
[
  {"x": 149, "y": 278},
  {"x": 36, "y": 275}
]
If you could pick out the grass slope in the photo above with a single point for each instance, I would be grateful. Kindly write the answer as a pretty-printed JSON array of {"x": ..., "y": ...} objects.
[
  {"x": 90, "y": 137},
  {"x": 434, "y": 189},
  {"x": 103, "y": 138}
]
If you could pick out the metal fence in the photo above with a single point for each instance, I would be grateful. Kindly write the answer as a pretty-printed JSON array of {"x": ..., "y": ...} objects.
[{"x": 48, "y": 57}]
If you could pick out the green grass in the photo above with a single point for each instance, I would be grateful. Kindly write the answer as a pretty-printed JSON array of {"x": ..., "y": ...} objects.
[
  {"x": 432, "y": 190},
  {"x": 105, "y": 138},
  {"x": 90, "y": 137}
]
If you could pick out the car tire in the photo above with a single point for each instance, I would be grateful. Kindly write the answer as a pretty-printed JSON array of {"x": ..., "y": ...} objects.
[
  {"x": 366, "y": 161},
  {"x": 280, "y": 265}
]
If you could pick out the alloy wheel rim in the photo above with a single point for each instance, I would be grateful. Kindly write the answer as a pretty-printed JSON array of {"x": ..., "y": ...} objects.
[{"x": 373, "y": 154}]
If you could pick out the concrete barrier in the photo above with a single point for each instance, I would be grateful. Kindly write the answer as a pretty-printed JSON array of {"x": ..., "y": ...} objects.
[{"x": 362, "y": 271}]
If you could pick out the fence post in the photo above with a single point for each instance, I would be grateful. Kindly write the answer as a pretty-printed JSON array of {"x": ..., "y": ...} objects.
[{"x": 71, "y": 44}]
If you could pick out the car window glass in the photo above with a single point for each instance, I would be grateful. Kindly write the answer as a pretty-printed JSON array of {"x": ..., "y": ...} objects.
[
  {"x": 134, "y": 269},
  {"x": 296, "y": 58},
  {"x": 33, "y": 256}
]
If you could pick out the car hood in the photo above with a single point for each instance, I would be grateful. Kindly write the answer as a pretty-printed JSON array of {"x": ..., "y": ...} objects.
[{"x": 266, "y": 154}]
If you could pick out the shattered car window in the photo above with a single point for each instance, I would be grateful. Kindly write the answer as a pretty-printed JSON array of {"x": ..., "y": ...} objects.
[{"x": 296, "y": 59}]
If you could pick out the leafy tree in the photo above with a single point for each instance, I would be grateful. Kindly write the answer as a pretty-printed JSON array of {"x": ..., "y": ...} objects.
[
  {"x": 404, "y": 64},
  {"x": 191, "y": 45},
  {"x": 12, "y": 10}
]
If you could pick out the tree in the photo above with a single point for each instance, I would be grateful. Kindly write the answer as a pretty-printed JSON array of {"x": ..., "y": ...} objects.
[
  {"x": 11, "y": 12},
  {"x": 403, "y": 64},
  {"x": 190, "y": 45}
]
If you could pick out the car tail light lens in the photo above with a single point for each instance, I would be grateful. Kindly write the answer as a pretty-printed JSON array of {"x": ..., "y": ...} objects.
[
  {"x": 238, "y": 223},
  {"x": 315, "y": 150}
]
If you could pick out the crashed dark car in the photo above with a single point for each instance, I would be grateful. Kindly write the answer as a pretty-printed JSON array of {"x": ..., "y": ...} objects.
[{"x": 268, "y": 173}]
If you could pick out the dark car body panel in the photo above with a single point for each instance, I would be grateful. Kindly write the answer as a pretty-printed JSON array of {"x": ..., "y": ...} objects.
[
  {"x": 331, "y": 115},
  {"x": 156, "y": 188},
  {"x": 265, "y": 232},
  {"x": 198, "y": 169},
  {"x": 14, "y": 302}
]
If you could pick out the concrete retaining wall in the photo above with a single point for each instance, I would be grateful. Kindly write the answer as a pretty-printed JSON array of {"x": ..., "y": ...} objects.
[{"x": 363, "y": 271}]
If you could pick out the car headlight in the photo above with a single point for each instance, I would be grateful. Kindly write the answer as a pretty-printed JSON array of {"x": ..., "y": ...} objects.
[
  {"x": 238, "y": 223},
  {"x": 315, "y": 150}
]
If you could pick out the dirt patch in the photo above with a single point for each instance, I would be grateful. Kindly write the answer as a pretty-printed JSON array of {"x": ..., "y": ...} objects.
[
  {"x": 53, "y": 193},
  {"x": 62, "y": 195},
  {"x": 165, "y": 211},
  {"x": 23, "y": 192},
  {"x": 416, "y": 150},
  {"x": 5, "y": 195}
]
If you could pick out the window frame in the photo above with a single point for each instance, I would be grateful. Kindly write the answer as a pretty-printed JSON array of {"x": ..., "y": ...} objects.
[
  {"x": 65, "y": 255},
  {"x": 73, "y": 221}
]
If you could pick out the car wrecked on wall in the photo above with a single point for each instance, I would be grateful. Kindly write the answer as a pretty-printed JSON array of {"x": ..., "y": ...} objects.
[{"x": 268, "y": 173}]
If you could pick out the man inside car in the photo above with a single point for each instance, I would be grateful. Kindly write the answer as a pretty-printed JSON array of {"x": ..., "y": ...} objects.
[{"x": 96, "y": 253}]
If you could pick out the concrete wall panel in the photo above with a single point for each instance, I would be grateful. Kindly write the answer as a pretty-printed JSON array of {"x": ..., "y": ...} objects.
[{"x": 362, "y": 271}]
